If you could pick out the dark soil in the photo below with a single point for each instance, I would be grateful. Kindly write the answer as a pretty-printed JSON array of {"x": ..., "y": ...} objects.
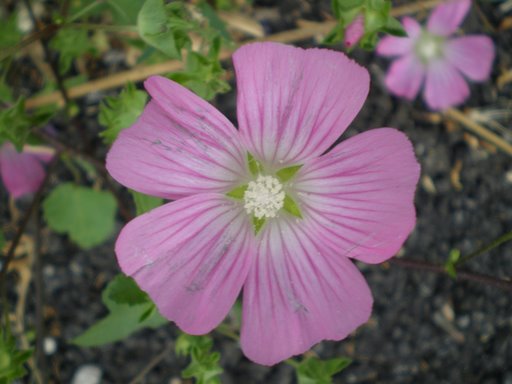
[{"x": 425, "y": 327}]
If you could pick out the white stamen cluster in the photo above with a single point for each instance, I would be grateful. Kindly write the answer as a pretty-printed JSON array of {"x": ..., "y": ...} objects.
[
  {"x": 264, "y": 197},
  {"x": 429, "y": 47}
]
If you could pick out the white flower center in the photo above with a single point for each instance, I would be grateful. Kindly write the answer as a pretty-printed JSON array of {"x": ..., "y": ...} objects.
[
  {"x": 429, "y": 47},
  {"x": 264, "y": 197}
]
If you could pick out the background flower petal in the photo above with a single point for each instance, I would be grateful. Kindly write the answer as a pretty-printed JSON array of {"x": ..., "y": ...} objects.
[
  {"x": 444, "y": 86},
  {"x": 294, "y": 103},
  {"x": 446, "y": 17},
  {"x": 191, "y": 256},
  {"x": 359, "y": 197},
  {"x": 405, "y": 76},
  {"x": 298, "y": 294},
  {"x": 22, "y": 173},
  {"x": 472, "y": 55},
  {"x": 179, "y": 146},
  {"x": 397, "y": 46}
]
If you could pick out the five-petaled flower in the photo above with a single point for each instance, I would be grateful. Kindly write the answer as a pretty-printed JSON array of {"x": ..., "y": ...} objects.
[
  {"x": 23, "y": 172},
  {"x": 264, "y": 208},
  {"x": 432, "y": 57}
]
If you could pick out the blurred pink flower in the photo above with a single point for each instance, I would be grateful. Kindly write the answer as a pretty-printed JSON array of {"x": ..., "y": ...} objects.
[
  {"x": 433, "y": 57},
  {"x": 195, "y": 254},
  {"x": 354, "y": 31},
  {"x": 23, "y": 172}
]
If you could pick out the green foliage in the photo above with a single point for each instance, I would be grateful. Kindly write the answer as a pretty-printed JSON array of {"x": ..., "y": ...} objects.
[
  {"x": 258, "y": 224},
  {"x": 11, "y": 359},
  {"x": 165, "y": 26},
  {"x": 85, "y": 214},
  {"x": 377, "y": 19},
  {"x": 213, "y": 20},
  {"x": 130, "y": 310},
  {"x": 125, "y": 12},
  {"x": 2, "y": 240},
  {"x": 9, "y": 33},
  {"x": 118, "y": 113},
  {"x": 204, "y": 365},
  {"x": 70, "y": 44},
  {"x": 15, "y": 124},
  {"x": 451, "y": 263},
  {"x": 204, "y": 75},
  {"x": 312, "y": 370},
  {"x": 145, "y": 203},
  {"x": 254, "y": 165},
  {"x": 288, "y": 173}
]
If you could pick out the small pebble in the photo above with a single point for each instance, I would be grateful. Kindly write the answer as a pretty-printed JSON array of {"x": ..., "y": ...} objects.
[
  {"x": 49, "y": 345},
  {"x": 87, "y": 374}
]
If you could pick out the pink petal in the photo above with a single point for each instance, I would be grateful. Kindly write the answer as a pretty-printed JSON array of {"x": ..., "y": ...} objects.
[
  {"x": 446, "y": 17},
  {"x": 22, "y": 173},
  {"x": 297, "y": 294},
  {"x": 444, "y": 86},
  {"x": 472, "y": 55},
  {"x": 397, "y": 46},
  {"x": 354, "y": 31},
  {"x": 191, "y": 256},
  {"x": 179, "y": 146},
  {"x": 294, "y": 103},
  {"x": 359, "y": 198},
  {"x": 405, "y": 77}
]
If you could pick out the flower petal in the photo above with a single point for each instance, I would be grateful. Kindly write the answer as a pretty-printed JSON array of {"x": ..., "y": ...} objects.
[
  {"x": 446, "y": 17},
  {"x": 179, "y": 146},
  {"x": 359, "y": 197},
  {"x": 397, "y": 46},
  {"x": 444, "y": 86},
  {"x": 405, "y": 77},
  {"x": 191, "y": 256},
  {"x": 472, "y": 55},
  {"x": 22, "y": 173},
  {"x": 294, "y": 103},
  {"x": 298, "y": 294}
]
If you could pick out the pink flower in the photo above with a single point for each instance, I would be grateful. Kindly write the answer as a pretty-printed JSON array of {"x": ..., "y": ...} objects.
[
  {"x": 23, "y": 173},
  {"x": 354, "y": 31},
  {"x": 432, "y": 56},
  {"x": 284, "y": 237}
]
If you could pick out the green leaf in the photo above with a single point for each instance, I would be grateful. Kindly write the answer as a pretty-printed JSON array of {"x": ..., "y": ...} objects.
[
  {"x": 125, "y": 12},
  {"x": 145, "y": 203},
  {"x": 258, "y": 224},
  {"x": 9, "y": 33},
  {"x": 451, "y": 263},
  {"x": 288, "y": 173},
  {"x": 203, "y": 74},
  {"x": 254, "y": 165},
  {"x": 15, "y": 124},
  {"x": 71, "y": 44},
  {"x": 238, "y": 192},
  {"x": 86, "y": 215},
  {"x": 118, "y": 113},
  {"x": 204, "y": 365},
  {"x": 315, "y": 371},
  {"x": 124, "y": 290},
  {"x": 12, "y": 360},
  {"x": 213, "y": 20},
  {"x": 291, "y": 207},
  {"x": 126, "y": 315},
  {"x": 165, "y": 26},
  {"x": 394, "y": 27}
]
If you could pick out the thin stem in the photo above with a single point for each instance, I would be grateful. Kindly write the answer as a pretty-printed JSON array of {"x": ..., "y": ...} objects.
[
  {"x": 462, "y": 275},
  {"x": 152, "y": 364},
  {"x": 486, "y": 248},
  {"x": 40, "y": 358},
  {"x": 102, "y": 27}
]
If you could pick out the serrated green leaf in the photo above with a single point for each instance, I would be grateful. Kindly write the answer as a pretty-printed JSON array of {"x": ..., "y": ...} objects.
[
  {"x": 86, "y": 215},
  {"x": 145, "y": 203},
  {"x": 204, "y": 365},
  {"x": 165, "y": 26},
  {"x": 124, "y": 290},
  {"x": 71, "y": 44},
  {"x": 315, "y": 371},
  {"x": 123, "y": 318},
  {"x": 12, "y": 360},
  {"x": 118, "y": 113},
  {"x": 288, "y": 173},
  {"x": 291, "y": 207},
  {"x": 238, "y": 192},
  {"x": 254, "y": 165}
]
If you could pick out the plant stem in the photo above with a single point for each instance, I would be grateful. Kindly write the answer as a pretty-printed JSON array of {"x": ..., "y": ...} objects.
[{"x": 486, "y": 248}]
